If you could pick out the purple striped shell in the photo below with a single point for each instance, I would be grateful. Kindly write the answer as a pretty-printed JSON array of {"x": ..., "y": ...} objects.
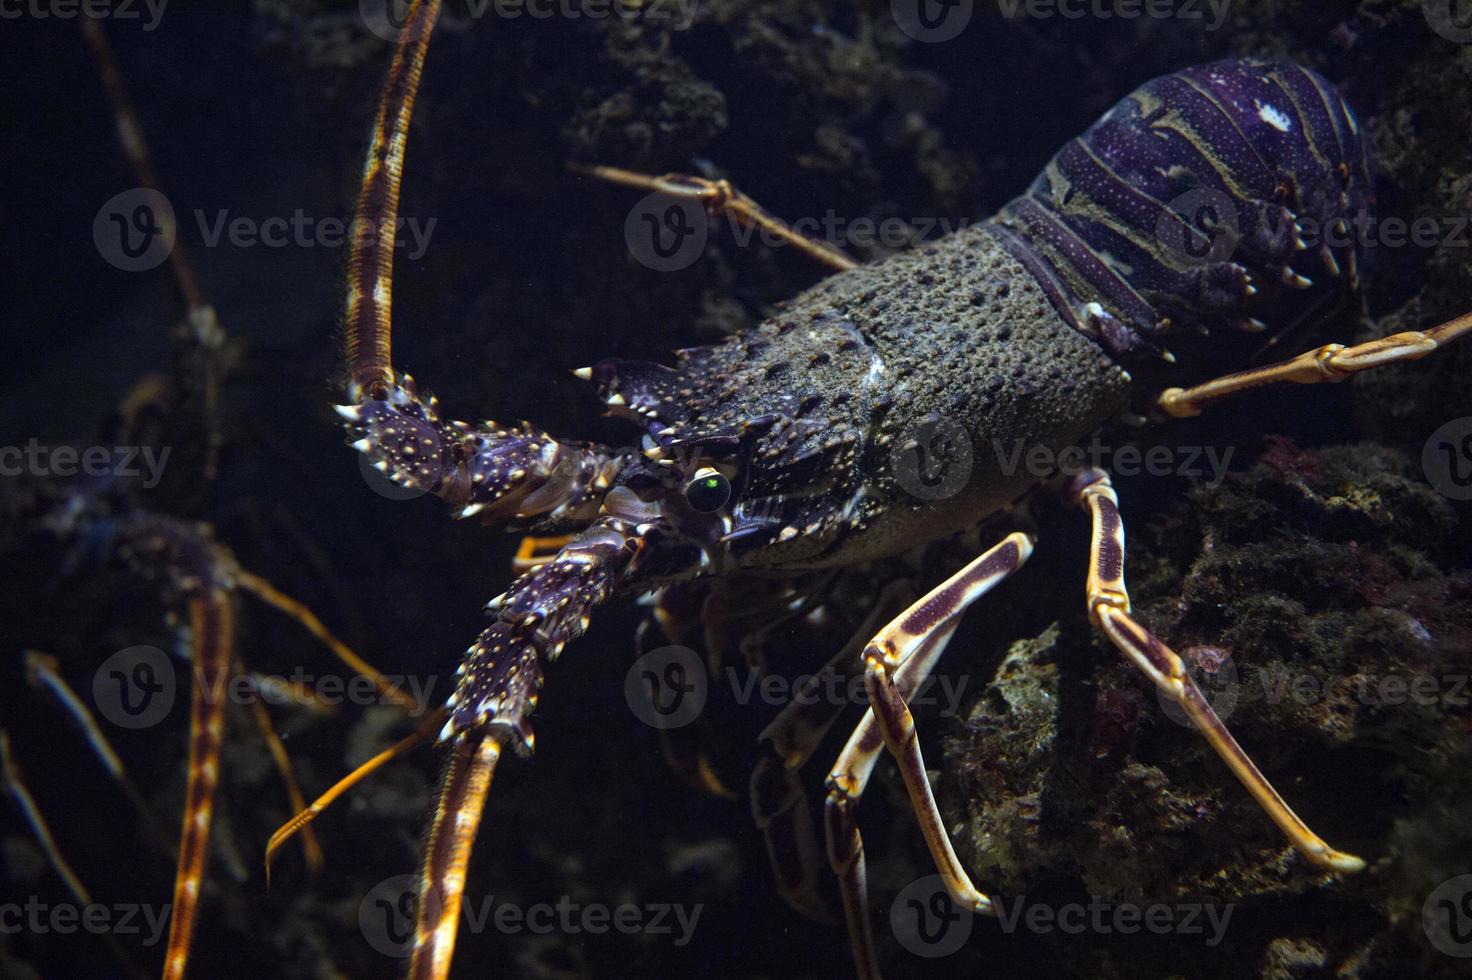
[{"x": 1221, "y": 199}]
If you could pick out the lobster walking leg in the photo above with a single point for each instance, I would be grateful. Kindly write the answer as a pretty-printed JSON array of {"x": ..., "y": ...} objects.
[
  {"x": 897, "y": 661},
  {"x": 1109, "y": 609},
  {"x": 720, "y": 197},
  {"x": 779, "y": 803},
  {"x": 43, "y": 670},
  {"x": 13, "y": 782},
  {"x": 1332, "y": 362}
]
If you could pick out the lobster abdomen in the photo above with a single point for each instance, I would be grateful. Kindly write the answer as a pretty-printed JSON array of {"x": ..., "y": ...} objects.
[{"x": 1218, "y": 198}]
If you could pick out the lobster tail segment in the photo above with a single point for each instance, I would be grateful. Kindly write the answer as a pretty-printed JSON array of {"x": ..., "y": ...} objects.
[{"x": 1225, "y": 198}]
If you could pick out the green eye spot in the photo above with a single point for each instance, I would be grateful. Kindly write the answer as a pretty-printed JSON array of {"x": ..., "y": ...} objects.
[{"x": 707, "y": 491}]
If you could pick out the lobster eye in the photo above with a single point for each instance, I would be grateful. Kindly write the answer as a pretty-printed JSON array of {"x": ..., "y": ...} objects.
[{"x": 708, "y": 490}]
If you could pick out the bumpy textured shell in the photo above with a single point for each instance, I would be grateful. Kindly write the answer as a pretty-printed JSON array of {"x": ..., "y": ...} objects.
[
  {"x": 819, "y": 402},
  {"x": 1214, "y": 198}
]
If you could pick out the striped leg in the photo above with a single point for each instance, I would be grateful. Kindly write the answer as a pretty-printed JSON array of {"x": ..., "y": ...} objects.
[
  {"x": 43, "y": 670},
  {"x": 1332, "y": 362},
  {"x": 12, "y": 781},
  {"x": 779, "y": 802},
  {"x": 720, "y": 197},
  {"x": 897, "y": 661},
  {"x": 1109, "y": 609},
  {"x": 212, "y": 641}
]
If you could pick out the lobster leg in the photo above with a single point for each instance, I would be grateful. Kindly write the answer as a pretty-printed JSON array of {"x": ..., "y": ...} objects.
[
  {"x": 685, "y": 748},
  {"x": 307, "y": 814},
  {"x": 43, "y": 670},
  {"x": 14, "y": 783},
  {"x": 719, "y": 197},
  {"x": 1109, "y": 609},
  {"x": 779, "y": 802},
  {"x": 500, "y": 682},
  {"x": 1332, "y": 362},
  {"x": 311, "y": 847},
  {"x": 897, "y": 661}
]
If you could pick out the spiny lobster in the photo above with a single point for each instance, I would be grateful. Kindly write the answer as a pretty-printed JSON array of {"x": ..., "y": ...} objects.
[{"x": 1180, "y": 217}]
